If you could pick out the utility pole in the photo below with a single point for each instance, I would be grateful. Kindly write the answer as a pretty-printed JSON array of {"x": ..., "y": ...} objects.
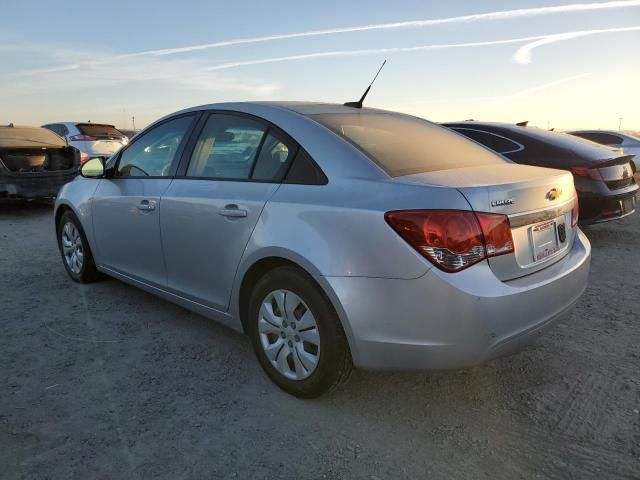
[
  {"x": 620, "y": 124},
  {"x": 133, "y": 122}
]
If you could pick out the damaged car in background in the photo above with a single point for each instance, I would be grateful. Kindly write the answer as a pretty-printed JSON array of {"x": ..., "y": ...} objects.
[{"x": 34, "y": 162}]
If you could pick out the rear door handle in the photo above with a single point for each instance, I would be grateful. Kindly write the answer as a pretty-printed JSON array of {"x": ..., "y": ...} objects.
[
  {"x": 147, "y": 206},
  {"x": 233, "y": 211}
]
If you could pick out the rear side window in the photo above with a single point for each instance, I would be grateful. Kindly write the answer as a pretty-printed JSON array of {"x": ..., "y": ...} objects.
[
  {"x": 226, "y": 148},
  {"x": 305, "y": 171},
  {"x": 57, "y": 128},
  {"x": 273, "y": 159},
  {"x": 404, "y": 145},
  {"x": 100, "y": 131},
  {"x": 234, "y": 147}
]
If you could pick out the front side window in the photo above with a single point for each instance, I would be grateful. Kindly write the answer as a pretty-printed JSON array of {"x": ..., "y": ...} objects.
[
  {"x": 153, "y": 153},
  {"x": 404, "y": 145}
]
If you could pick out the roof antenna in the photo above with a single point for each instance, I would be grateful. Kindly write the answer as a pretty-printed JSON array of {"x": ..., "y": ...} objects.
[{"x": 358, "y": 104}]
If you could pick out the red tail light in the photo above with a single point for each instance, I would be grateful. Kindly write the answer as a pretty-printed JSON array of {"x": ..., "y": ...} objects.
[
  {"x": 574, "y": 213},
  {"x": 592, "y": 173},
  {"x": 83, "y": 157},
  {"x": 82, "y": 138},
  {"x": 453, "y": 239}
]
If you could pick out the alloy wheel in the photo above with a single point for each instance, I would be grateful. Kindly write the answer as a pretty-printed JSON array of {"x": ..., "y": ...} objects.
[
  {"x": 289, "y": 334},
  {"x": 72, "y": 247}
]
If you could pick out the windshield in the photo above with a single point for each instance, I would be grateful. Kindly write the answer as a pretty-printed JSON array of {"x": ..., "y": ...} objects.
[{"x": 404, "y": 145}]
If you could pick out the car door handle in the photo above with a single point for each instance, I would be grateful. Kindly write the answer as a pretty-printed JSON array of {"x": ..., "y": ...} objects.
[
  {"x": 147, "y": 206},
  {"x": 233, "y": 211}
]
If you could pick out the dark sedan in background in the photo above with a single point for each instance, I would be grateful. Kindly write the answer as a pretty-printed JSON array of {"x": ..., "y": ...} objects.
[
  {"x": 603, "y": 176},
  {"x": 34, "y": 162}
]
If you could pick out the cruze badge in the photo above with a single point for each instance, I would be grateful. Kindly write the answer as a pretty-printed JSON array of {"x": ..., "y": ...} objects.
[
  {"x": 554, "y": 194},
  {"x": 502, "y": 203}
]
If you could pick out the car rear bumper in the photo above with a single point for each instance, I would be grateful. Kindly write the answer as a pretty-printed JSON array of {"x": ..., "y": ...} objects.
[
  {"x": 443, "y": 321},
  {"x": 597, "y": 209},
  {"x": 36, "y": 185}
]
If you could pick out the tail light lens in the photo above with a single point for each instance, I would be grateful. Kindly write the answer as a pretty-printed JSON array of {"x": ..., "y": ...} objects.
[
  {"x": 83, "y": 157},
  {"x": 592, "y": 173},
  {"x": 453, "y": 239},
  {"x": 83, "y": 138},
  {"x": 574, "y": 213}
]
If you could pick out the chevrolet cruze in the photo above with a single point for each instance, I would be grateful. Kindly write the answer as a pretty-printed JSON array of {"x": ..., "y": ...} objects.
[{"x": 333, "y": 236}]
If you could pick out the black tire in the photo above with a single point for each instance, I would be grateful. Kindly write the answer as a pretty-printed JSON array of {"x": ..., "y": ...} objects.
[
  {"x": 334, "y": 365},
  {"x": 88, "y": 272}
]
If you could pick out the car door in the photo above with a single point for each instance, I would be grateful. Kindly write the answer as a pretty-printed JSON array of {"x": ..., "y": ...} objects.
[
  {"x": 126, "y": 205},
  {"x": 209, "y": 213}
]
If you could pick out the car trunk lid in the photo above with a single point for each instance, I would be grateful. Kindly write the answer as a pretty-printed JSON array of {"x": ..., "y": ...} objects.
[{"x": 537, "y": 201}]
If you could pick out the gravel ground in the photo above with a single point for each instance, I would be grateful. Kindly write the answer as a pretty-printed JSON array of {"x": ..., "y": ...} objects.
[{"x": 106, "y": 381}]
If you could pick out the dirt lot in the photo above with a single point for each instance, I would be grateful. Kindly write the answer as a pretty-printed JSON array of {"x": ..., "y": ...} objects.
[{"x": 106, "y": 381}]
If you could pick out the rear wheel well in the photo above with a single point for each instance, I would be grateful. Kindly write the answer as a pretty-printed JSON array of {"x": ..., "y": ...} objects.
[{"x": 255, "y": 273}]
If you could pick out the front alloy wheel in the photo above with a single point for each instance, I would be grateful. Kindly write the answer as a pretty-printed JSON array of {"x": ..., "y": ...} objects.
[{"x": 72, "y": 247}]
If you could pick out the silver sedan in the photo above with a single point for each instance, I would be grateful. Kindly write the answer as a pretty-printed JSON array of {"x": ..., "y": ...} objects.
[{"x": 333, "y": 236}]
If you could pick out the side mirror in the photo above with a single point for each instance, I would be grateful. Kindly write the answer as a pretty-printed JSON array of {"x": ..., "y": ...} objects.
[{"x": 93, "y": 168}]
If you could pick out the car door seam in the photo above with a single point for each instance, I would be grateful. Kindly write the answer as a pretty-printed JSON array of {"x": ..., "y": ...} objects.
[{"x": 249, "y": 237}]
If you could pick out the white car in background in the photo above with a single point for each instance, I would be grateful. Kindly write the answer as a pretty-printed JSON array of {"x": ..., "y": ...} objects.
[
  {"x": 629, "y": 143},
  {"x": 92, "y": 139}
]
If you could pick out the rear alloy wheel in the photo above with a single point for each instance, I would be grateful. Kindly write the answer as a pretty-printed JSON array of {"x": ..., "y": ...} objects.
[
  {"x": 75, "y": 251},
  {"x": 296, "y": 334},
  {"x": 289, "y": 334}
]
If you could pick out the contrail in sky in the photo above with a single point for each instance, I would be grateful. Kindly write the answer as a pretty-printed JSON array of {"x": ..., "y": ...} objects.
[
  {"x": 500, "y": 15},
  {"x": 522, "y": 55},
  {"x": 368, "y": 51}
]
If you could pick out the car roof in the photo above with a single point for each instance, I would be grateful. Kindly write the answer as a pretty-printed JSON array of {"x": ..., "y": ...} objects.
[
  {"x": 300, "y": 107},
  {"x": 16, "y": 136}
]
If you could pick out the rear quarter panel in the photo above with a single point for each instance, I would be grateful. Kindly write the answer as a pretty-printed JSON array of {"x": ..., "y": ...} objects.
[{"x": 339, "y": 229}]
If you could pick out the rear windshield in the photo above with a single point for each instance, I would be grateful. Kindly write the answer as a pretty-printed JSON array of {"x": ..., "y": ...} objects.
[
  {"x": 404, "y": 145},
  {"x": 100, "y": 131}
]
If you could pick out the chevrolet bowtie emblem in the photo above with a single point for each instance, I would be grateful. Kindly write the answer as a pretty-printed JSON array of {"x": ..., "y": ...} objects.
[{"x": 554, "y": 194}]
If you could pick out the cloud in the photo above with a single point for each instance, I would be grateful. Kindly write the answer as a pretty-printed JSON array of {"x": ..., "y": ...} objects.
[
  {"x": 523, "y": 54},
  {"x": 181, "y": 73},
  {"x": 499, "y": 15},
  {"x": 490, "y": 16}
]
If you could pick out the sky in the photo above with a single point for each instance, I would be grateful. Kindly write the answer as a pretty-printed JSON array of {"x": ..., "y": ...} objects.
[{"x": 558, "y": 64}]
